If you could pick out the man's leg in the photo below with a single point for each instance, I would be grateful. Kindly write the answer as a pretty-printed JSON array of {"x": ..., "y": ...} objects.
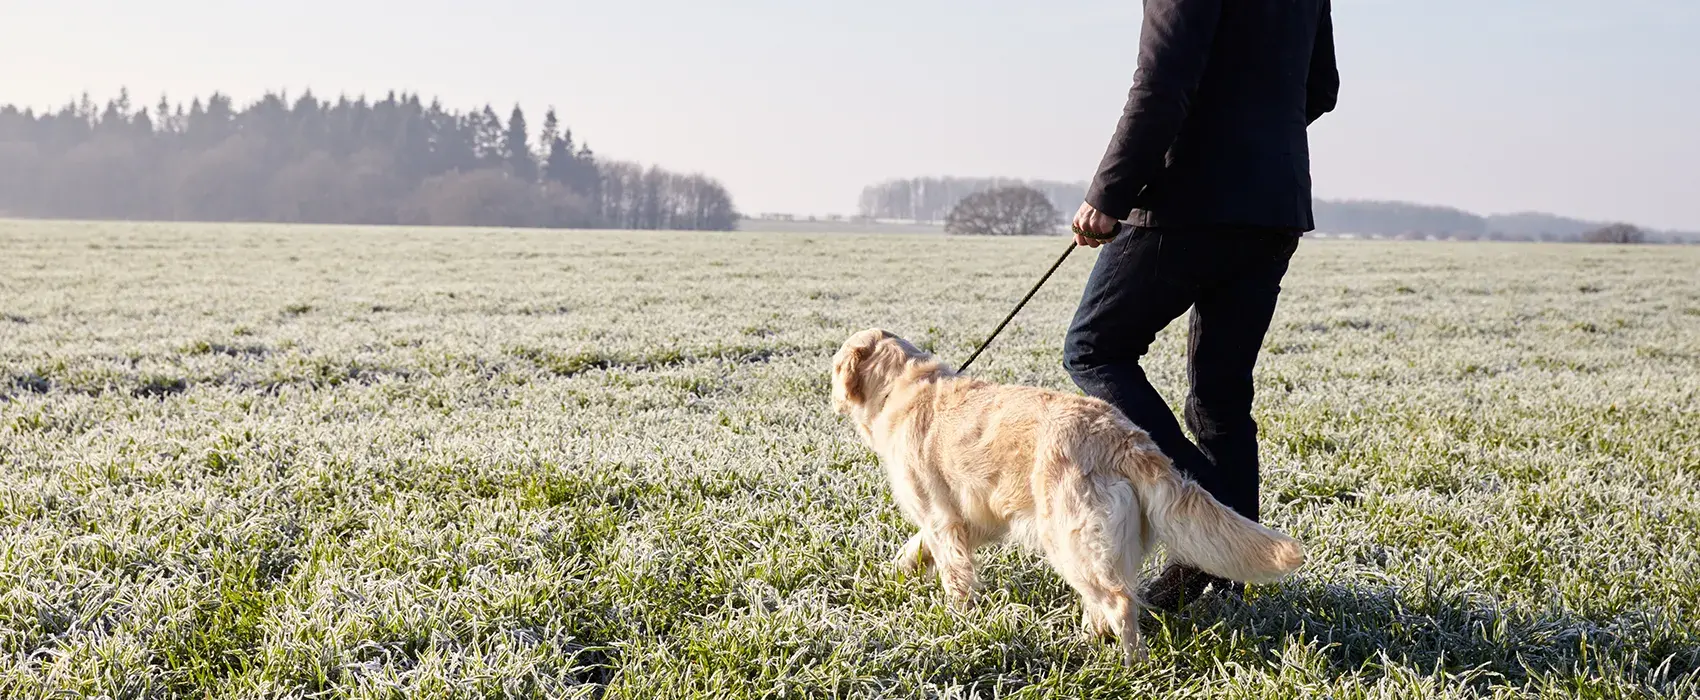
[
  {"x": 1229, "y": 318},
  {"x": 1125, "y": 304},
  {"x": 1229, "y": 321}
]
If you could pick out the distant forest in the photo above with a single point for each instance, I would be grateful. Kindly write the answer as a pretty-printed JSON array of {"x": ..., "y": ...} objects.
[
  {"x": 350, "y": 161},
  {"x": 931, "y": 199}
]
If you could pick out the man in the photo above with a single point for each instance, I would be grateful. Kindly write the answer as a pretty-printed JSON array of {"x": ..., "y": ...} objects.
[{"x": 1210, "y": 164}]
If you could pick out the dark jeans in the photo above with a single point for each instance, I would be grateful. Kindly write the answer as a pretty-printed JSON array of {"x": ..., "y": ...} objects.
[{"x": 1148, "y": 277}]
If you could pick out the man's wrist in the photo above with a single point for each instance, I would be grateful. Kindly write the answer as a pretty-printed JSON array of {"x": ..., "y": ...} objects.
[{"x": 1102, "y": 199}]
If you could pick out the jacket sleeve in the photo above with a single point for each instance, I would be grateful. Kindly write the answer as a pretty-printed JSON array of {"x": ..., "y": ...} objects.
[
  {"x": 1174, "y": 47},
  {"x": 1322, "y": 90}
]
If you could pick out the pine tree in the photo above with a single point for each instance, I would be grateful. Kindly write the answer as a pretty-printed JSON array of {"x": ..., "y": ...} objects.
[
  {"x": 487, "y": 130},
  {"x": 516, "y": 148},
  {"x": 112, "y": 118},
  {"x": 558, "y": 161},
  {"x": 85, "y": 109},
  {"x": 551, "y": 131},
  {"x": 587, "y": 175},
  {"x": 142, "y": 124},
  {"x": 162, "y": 115}
]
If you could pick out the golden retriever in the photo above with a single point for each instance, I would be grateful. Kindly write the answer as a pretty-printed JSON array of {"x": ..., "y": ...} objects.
[{"x": 970, "y": 462}]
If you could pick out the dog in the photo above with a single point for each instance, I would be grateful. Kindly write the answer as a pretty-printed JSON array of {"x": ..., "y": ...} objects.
[{"x": 971, "y": 462}]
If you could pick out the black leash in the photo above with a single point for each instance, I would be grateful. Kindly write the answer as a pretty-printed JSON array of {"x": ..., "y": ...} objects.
[{"x": 1035, "y": 290}]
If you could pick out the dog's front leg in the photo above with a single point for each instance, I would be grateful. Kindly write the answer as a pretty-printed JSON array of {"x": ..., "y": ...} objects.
[{"x": 914, "y": 557}]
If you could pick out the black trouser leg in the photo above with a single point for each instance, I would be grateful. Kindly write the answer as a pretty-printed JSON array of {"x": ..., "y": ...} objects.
[
  {"x": 1126, "y": 302},
  {"x": 1229, "y": 321},
  {"x": 1142, "y": 282}
]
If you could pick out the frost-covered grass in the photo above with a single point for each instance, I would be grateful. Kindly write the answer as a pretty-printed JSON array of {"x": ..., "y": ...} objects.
[{"x": 242, "y": 461}]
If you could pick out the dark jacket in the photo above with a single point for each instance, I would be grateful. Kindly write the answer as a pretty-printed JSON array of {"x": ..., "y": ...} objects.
[{"x": 1214, "y": 128}]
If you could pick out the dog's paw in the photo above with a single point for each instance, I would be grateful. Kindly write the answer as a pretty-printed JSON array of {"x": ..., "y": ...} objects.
[
  {"x": 909, "y": 565},
  {"x": 1135, "y": 655},
  {"x": 913, "y": 559},
  {"x": 962, "y": 604},
  {"x": 1095, "y": 626}
]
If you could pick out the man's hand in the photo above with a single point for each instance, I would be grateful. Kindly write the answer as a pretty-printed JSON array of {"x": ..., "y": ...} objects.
[{"x": 1093, "y": 223}]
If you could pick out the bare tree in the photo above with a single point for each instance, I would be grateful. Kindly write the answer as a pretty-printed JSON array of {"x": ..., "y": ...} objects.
[
  {"x": 1615, "y": 233},
  {"x": 931, "y": 198},
  {"x": 1004, "y": 211}
]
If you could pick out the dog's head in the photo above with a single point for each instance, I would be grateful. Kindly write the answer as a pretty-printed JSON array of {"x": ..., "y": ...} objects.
[{"x": 868, "y": 365}]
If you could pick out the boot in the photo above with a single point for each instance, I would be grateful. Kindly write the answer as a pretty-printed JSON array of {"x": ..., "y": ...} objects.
[{"x": 1179, "y": 585}]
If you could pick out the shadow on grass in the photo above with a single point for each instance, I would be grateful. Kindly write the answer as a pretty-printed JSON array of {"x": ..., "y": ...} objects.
[{"x": 1365, "y": 631}]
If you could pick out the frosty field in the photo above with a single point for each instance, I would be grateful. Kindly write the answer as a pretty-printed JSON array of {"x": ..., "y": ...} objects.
[{"x": 256, "y": 461}]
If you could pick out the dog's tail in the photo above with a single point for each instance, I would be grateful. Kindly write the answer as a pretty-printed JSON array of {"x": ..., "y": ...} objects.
[{"x": 1199, "y": 530}]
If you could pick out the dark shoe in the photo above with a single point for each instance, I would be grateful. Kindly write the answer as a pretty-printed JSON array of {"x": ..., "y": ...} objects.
[{"x": 1179, "y": 585}]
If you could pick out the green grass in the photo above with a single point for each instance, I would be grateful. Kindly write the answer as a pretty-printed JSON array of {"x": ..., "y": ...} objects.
[{"x": 252, "y": 461}]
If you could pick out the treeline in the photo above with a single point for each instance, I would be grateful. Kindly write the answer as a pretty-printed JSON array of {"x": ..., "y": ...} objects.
[
  {"x": 1404, "y": 220},
  {"x": 931, "y": 199},
  {"x": 392, "y": 161}
]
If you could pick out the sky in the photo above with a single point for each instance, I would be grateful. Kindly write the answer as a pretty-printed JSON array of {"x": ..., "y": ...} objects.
[{"x": 1579, "y": 108}]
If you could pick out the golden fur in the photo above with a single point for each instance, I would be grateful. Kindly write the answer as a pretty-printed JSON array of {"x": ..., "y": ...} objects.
[{"x": 970, "y": 462}]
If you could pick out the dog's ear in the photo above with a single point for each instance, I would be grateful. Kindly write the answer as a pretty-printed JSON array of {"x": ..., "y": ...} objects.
[{"x": 849, "y": 367}]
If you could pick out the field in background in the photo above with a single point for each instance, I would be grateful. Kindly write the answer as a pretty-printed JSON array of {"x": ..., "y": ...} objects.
[{"x": 251, "y": 460}]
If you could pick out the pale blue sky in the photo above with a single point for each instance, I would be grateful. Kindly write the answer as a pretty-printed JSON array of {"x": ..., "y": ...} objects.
[{"x": 1580, "y": 108}]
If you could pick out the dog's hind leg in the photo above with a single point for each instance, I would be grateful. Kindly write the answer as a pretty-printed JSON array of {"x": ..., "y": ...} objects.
[
  {"x": 953, "y": 553},
  {"x": 1109, "y": 606},
  {"x": 1093, "y": 621},
  {"x": 1133, "y": 537},
  {"x": 1084, "y": 527},
  {"x": 1123, "y": 612}
]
